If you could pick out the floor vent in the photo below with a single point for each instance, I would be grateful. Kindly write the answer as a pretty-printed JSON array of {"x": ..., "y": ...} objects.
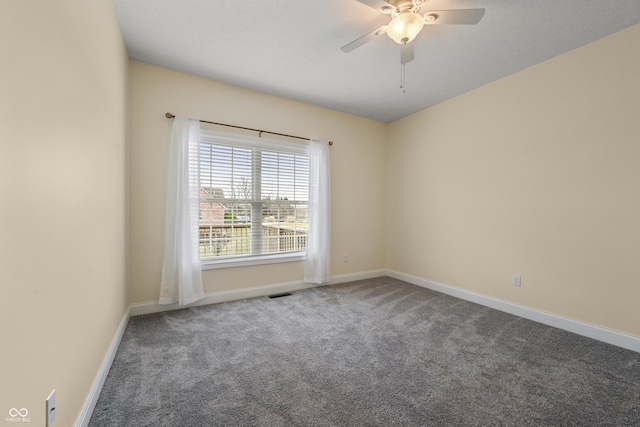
[{"x": 286, "y": 294}]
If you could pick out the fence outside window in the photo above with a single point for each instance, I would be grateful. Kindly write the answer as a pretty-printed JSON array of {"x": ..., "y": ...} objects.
[{"x": 234, "y": 239}]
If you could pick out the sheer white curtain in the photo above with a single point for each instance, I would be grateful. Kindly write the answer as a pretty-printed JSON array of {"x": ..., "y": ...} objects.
[
  {"x": 317, "y": 266},
  {"x": 181, "y": 272}
]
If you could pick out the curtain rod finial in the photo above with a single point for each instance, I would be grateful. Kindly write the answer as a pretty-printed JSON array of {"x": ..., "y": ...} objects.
[{"x": 169, "y": 116}]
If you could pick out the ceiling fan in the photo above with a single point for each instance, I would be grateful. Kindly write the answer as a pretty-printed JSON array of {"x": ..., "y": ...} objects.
[{"x": 406, "y": 23}]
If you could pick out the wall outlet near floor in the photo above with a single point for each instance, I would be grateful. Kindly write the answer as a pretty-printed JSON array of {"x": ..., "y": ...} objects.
[
  {"x": 51, "y": 408},
  {"x": 345, "y": 258},
  {"x": 516, "y": 280}
]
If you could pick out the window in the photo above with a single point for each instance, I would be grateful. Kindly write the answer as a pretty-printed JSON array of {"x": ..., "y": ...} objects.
[{"x": 254, "y": 199}]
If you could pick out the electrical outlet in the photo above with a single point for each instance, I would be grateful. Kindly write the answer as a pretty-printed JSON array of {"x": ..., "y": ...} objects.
[
  {"x": 51, "y": 408},
  {"x": 516, "y": 280},
  {"x": 345, "y": 258}
]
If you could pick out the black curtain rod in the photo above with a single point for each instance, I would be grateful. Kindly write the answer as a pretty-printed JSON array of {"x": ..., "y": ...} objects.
[{"x": 260, "y": 131}]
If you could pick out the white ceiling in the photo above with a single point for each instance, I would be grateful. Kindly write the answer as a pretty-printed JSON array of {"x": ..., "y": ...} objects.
[{"x": 291, "y": 48}]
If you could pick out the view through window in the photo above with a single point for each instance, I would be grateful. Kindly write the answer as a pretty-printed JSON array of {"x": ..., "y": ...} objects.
[{"x": 253, "y": 197}]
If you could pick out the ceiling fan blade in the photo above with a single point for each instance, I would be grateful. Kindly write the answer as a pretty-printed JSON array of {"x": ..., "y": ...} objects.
[
  {"x": 379, "y": 5},
  {"x": 460, "y": 16},
  {"x": 364, "y": 39},
  {"x": 406, "y": 53}
]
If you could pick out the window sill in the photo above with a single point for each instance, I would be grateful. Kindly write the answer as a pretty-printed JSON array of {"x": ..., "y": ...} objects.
[{"x": 210, "y": 264}]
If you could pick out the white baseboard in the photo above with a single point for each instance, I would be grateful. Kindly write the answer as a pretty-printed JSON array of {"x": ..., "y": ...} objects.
[
  {"x": 258, "y": 291},
  {"x": 352, "y": 277},
  {"x": 96, "y": 387},
  {"x": 609, "y": 336}
]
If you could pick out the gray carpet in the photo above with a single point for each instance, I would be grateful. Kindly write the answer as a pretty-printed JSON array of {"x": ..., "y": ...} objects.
[{"x": 375, "y": 352}]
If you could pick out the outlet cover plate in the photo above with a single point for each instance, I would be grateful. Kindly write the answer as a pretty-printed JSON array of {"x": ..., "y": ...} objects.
[
  {"x": 51, "y": 408},
  {"x": 516, "y": 280}
]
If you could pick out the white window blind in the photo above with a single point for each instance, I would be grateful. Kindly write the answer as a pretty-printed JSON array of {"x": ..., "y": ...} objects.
[{"x": 253, "y": 198}]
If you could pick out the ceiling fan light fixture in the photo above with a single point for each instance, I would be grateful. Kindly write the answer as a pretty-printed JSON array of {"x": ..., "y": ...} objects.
[{"x": 405, "y": 27}]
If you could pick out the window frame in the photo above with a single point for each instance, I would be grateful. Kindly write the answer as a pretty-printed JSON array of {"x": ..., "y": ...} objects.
[{"x": 300, "y": 148}]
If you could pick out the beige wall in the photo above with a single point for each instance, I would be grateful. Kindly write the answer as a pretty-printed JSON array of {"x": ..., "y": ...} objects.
[
  {"x": 62, "y": 200},
  {"x": 536, "y": 174},
  {"x": 358, "y": 168}
]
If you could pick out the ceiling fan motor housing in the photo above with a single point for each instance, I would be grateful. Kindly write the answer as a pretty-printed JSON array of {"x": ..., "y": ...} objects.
[{"x": 403, "y": 6}]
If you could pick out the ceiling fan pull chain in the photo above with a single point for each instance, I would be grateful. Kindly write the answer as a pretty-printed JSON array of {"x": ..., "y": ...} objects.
[{"x": 402, "y": 78}]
